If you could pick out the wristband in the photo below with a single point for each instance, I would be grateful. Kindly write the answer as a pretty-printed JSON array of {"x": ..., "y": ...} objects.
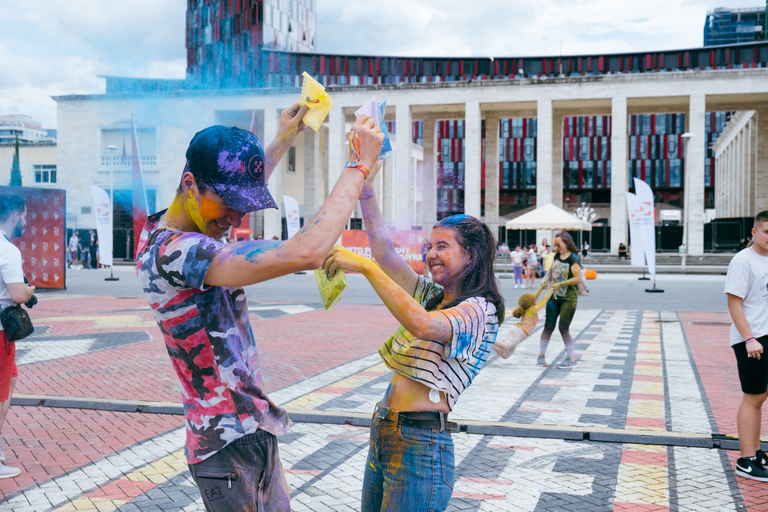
[
  {"x": 366, "y": 196},
  {"x": 750, "y": 340},
  {"x": 359, "y": 166}
]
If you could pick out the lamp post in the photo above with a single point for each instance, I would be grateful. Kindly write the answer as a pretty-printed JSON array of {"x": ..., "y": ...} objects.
[
  {"x": 112, "y": 149},
  {"x": 684, "y": 247}
]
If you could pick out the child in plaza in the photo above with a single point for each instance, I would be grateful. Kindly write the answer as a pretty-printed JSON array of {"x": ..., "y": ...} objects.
[
  {"x": 563, "y": 276},
  {"x": 448, "y": 328},
  {"x": 746, "y": 287},
  {"x": 194, "y": 283},
  {"x": 528, "y": 313}
]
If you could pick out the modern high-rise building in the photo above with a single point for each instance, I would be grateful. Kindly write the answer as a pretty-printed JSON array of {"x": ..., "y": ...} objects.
[
  {"x": 224, "y": 37},
  {"x": 729, "y": 26}
]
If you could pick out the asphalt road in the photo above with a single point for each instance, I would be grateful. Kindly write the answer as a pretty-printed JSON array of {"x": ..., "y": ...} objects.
[{"x": 608, "y": 291}]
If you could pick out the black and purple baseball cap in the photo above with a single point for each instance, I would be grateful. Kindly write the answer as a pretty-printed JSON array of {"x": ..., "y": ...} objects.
[{"x": 230, "y": 162}]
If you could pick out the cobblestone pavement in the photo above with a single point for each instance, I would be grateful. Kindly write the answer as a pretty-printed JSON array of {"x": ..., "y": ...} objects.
[{"x": 640, "y": 424}]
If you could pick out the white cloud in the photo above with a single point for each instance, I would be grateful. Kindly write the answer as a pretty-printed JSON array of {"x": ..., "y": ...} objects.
[{"x": 59, "y": 46}]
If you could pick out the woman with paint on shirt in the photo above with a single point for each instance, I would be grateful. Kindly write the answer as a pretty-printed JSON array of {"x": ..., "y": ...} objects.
[
  {"x": 528, "y": 313},
  {"x": 448, "y": 328},
  {"x": 564, "y": 276}
]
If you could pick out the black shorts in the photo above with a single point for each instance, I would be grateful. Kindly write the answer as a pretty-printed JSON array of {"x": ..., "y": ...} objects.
[{"x": 753, "y": 372}]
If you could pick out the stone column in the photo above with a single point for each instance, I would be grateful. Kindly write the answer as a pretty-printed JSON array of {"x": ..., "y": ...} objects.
[
  {"x": 545, "y": 179},
  {"x": 694, "y": 179},
  {"x": 761, "y": 164},
  {"x": 619, "y": 179},
  {"x": 313, "y": 182},
  {"x": 273, "y": 225},
  {"x": 472, "y": 158},
  {"x": 402, "y": 174},
  {"x": 492, "y": 173},
  {"x": 428, "y": 178}
]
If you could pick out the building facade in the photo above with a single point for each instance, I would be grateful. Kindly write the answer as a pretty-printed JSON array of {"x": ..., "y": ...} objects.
[
  {"x": 729, "y": 26},
  {"x": 22, "y": 127}
]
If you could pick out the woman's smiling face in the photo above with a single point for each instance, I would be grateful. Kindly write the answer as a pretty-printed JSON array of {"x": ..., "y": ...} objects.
[{"x": 446, "y": 258}]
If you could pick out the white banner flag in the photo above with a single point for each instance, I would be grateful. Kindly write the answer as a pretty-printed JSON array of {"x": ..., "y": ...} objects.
[
  {"x": 291, "y": 215},
  {"x": 101, "y": 209},
  {"x": 635, "y": 232},
  {"x": 647, "y": 224}
]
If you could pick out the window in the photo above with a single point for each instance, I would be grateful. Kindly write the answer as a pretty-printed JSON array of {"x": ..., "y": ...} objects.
[
  {"x": 45, "y": 173},
  {"x": 292, "y": 160}
]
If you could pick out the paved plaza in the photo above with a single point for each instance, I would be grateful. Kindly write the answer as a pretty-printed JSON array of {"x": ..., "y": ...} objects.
[{"x": 646, "y": 421}]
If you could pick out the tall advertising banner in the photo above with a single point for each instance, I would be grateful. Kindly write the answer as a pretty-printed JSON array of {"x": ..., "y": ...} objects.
[
  {"x": 43, "y": 243},
  {"x": 292, "y": 221},
  {"x": 635, "y": 232},
  {"x": 645, "y": 207},
  {"x": 140, "y": 206},
  {"x": 407, "y": 244},
  {"x": 101, "y": 212}
]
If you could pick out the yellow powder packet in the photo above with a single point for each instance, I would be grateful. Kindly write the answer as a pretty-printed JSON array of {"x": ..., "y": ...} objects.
[
  {"x": 314, "y": 96},
  {"x": 332, "y": 289}
]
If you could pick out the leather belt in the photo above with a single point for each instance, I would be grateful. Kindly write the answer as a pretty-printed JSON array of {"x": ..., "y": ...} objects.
[{"x": 417, "y": 419}]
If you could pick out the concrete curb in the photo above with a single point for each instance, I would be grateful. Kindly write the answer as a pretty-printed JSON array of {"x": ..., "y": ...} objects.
[{"x": 539, "y": 431}]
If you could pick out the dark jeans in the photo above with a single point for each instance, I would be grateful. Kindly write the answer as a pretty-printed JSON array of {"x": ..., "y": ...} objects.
[
  {"x": 564, "y": 309},
  {"x": 245, "y": 476},
  {"x": 408, "y": 468}
]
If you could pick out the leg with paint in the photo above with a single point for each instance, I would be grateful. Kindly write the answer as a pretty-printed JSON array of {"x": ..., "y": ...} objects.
[
  {"x": 567, "y": 310},
  {"x": 553, "y": 311}
]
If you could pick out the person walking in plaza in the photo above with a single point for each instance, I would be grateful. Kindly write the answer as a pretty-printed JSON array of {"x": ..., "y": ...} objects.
[
  {"x": 564, "y": 276},
  {"x": 517, "y": 257},
  {"x": 74, "y": 250},
  {"x": 194, "y": 283},
  {"x": 533, "y": 265},
  {"x": 746, "y": 288},
  {"x": 13, "y": 290},
  {"x": 94, "y": 248},
  {"x": 528, "y": 313},
  {"x": 448, "y": 328}
]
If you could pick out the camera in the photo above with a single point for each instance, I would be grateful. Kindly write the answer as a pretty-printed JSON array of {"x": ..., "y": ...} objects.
[{"x": 31, "y": 302}]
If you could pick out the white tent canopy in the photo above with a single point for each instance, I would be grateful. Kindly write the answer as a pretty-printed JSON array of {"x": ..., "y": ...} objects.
[{"x": 548, "y": 217}]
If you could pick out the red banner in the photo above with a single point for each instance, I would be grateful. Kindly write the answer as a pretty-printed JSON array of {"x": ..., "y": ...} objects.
[
  {"x": 407, "y": 243},
  {"x": 43, "y": 244}
]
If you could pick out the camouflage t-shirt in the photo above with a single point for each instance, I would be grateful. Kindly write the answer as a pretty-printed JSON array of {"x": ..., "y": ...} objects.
[{"x": 209, "y": 340}]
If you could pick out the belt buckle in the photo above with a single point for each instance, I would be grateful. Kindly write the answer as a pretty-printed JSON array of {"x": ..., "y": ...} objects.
[{"x": 381, "y": 412}]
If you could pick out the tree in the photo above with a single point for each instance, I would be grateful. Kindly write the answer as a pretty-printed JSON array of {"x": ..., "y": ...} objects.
[{"x": 15, "y": 167}]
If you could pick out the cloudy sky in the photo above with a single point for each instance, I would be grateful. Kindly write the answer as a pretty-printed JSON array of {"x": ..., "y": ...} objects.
[{"x": 60, "y": 47}]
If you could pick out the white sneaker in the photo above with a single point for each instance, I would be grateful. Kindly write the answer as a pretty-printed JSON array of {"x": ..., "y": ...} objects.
[{"x": 8, "y": 472}]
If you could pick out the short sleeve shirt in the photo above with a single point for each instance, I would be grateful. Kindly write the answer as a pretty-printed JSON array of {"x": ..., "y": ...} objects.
[
  {"x": 561, "y": 271},
  {"x": 748, "y": 278},
  {"x": 517, "y": 258},
  {"x": 208, "y": 338},
  {"x": 10, "y": 270},
  {"x": 447, "y": 367}
]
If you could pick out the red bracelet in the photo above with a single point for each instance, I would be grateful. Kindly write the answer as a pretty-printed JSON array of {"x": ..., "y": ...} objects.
[{"x": 360, "y": 166}]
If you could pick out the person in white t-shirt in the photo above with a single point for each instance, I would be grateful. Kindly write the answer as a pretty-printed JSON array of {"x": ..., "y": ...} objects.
[
  {"x": 13, "y": 218},
  {"x": 746, "y": 287}
]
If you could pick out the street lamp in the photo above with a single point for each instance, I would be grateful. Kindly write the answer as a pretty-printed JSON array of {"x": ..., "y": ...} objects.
[
  {"x": 112, "y": 149},
  {"x": 684, "y": 248}
]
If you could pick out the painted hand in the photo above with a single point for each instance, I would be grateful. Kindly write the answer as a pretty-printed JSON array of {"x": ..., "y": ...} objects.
[
  {"x": 291, "y": 123},
  {"x": 371, "y": 139},
  {"x": 344, "y": 259},
  {"x": 555, "y": 286}
]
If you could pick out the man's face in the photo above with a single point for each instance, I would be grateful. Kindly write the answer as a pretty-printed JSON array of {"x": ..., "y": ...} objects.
[
  {"x": 760, "y": 232},
  {"x": 211, "y": 215},
  {"x": 21, "y": 224}
]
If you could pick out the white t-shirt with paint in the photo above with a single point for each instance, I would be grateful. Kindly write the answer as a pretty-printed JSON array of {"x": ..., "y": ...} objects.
[
  {"x": 748, "y": 278},
  {"x": 10, "y": 269}
]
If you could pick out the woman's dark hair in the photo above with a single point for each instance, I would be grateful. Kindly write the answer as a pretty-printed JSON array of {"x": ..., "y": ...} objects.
[
  {"x": 10, "y": 204},
  {"x": 568, "y": 241},
  {"x": 477, "y": 279}
]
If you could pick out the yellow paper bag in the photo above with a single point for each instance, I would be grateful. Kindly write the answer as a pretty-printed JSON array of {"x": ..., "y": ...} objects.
[
  {"x": 314, "y": 96},
  {"x": 332, "y": 289}
]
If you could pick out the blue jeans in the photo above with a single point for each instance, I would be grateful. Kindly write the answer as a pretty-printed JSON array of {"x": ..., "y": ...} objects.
[
  {"x": 408, "y": 468},
  {"x": 518, "y": 274}
]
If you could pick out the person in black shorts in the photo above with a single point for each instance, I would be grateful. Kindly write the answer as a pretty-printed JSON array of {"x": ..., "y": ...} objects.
[{"x": 746, "y": 287}]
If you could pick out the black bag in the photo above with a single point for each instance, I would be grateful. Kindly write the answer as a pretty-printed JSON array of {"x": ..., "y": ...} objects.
[{"x": 16, "y": 323}]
